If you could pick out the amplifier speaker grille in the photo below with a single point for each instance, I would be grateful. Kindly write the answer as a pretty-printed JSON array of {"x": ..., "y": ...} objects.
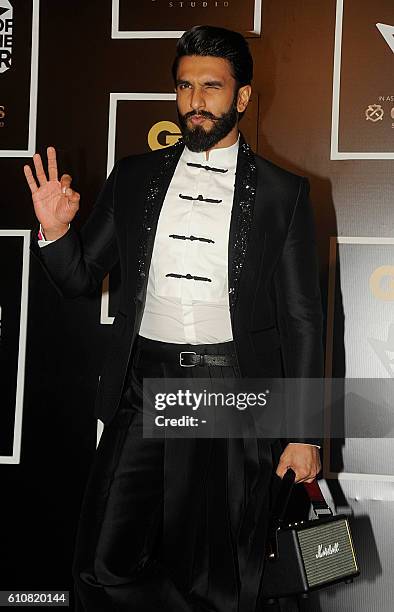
[{"x": 327, "y": 552}]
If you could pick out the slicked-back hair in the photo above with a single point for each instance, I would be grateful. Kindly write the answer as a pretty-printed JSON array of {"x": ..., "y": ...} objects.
[{"x": 217, "y": 42}]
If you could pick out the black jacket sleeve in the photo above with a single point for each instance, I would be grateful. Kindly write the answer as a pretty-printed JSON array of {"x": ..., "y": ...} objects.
[
  {"x": 78, "y": 261},
  {"x": 300, "y": 321}
]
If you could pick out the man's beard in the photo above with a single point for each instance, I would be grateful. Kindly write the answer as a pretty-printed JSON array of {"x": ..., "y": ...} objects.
[{"x": 198, "y": 139}]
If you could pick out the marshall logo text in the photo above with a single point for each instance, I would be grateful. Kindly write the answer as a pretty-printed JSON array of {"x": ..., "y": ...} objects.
[{"x": 326, "y": 551}]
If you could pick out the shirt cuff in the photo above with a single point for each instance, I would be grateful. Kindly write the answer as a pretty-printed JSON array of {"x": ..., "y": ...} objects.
[
  {"x": 306, "y": 444},
  {"x": 41, "y": 238}
]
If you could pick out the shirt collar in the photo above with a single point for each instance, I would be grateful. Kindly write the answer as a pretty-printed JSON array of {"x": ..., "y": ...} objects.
[{"x": 225, "y": 158}]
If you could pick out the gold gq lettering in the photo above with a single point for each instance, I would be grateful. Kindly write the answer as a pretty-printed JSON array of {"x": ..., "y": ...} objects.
[
  {"x": 163, "y": 134},
  {"x": 381, "y": 290}
]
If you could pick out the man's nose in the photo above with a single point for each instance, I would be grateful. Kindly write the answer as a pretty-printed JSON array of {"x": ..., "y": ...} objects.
[{"x": 197, "y": 101}]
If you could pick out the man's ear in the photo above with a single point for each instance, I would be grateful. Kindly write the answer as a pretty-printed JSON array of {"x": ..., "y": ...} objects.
[{"x": 243, "y": 98}]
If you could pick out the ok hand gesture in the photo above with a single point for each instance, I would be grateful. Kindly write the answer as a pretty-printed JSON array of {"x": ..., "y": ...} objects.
[{"x": 55, "y": 203}]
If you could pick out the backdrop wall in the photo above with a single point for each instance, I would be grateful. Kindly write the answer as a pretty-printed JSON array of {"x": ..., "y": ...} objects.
[{"x": 93, "y": 79}]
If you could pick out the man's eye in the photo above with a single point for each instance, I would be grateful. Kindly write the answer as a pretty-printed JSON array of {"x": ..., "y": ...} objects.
[{"x": 183, "y": 85}]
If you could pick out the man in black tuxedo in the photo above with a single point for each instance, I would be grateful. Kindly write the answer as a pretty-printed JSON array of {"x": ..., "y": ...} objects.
[{"x": 219, "y": 279}]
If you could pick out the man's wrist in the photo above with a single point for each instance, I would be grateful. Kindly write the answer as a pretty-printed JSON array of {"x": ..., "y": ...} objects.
[{"x": 50, "y": 234}]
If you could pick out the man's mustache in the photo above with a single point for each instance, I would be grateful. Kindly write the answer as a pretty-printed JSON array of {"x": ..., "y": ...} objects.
[{"x": 201, "y": 113}]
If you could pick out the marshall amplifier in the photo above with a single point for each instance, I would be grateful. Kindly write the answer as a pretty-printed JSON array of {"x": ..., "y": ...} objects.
[{"x": 309, "y": 554}]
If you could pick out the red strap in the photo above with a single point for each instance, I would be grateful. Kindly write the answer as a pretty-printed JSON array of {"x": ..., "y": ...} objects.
[{"x": 314, "y": 492}]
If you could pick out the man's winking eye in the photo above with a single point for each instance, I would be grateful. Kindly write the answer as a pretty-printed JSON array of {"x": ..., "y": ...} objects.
[{"x": 208, "y": 84}]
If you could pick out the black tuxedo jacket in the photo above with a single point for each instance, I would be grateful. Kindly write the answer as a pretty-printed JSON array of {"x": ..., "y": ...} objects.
[{"x": 274, "y": 294}]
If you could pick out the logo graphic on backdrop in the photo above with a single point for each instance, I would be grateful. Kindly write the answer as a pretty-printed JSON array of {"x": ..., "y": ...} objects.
[
  {"x": 381, "y": 283},
  {"x": 6, "y": 29},
  {"x": 363, "y": 90},
  {"x": 14, "y": 270},
  {"x": 374, "y": 113},
  {"x": 387, "y": 32},
  {"x": 163, "y": 134},
  {"x": 170, "y": 18},
  {"x": 19, "y": 26},
  {"x": 360, "y": 337},
  {"x": 156, "y": 128}
]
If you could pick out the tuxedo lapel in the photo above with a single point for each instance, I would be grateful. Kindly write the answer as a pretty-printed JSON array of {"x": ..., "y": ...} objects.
[
  {"x": 241, "y": 217},
  {"x": 159, "y": 182}
]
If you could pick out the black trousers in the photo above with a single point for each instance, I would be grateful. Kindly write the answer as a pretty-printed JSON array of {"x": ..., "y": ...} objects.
[{"x": 176, "y": 525}]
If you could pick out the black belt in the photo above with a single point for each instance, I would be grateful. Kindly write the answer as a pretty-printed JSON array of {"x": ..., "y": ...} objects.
[
  {"x": 188, "y": 359},
  {"x": 222, "y": 354}
]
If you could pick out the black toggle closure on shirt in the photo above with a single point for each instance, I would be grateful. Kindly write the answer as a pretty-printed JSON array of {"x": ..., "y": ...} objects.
[
  {"x": 200, "y": 198},
  {"x": 189, "y": 277},
  {"x": 191, "y": 238},
  {"x": 223, "y": 171}
]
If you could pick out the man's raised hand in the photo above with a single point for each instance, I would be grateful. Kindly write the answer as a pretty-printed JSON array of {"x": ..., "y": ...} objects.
[{"x": 55, "y": 203}]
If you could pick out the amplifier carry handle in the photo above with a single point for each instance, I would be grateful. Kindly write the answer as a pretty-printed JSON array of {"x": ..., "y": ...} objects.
[
  {"x": 319, "y": 504},
  {"x": 286, "y": 487}
]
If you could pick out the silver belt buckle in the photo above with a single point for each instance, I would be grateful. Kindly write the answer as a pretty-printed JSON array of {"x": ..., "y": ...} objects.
[{"x": 187, "y": 365}]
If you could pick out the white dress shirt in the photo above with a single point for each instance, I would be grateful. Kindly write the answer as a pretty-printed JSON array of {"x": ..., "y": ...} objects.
[{"x": 192, "y": 239}]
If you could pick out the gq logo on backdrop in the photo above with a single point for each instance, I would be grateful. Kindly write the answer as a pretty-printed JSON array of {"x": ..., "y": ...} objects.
[
  {"x": 163, "y": 134},
  {"x": 381, "y": 283},
  {"x": 6, "y": 29}
]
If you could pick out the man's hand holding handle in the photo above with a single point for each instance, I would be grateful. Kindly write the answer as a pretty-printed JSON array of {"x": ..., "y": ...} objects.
[{"x": 304, "y": 459}]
